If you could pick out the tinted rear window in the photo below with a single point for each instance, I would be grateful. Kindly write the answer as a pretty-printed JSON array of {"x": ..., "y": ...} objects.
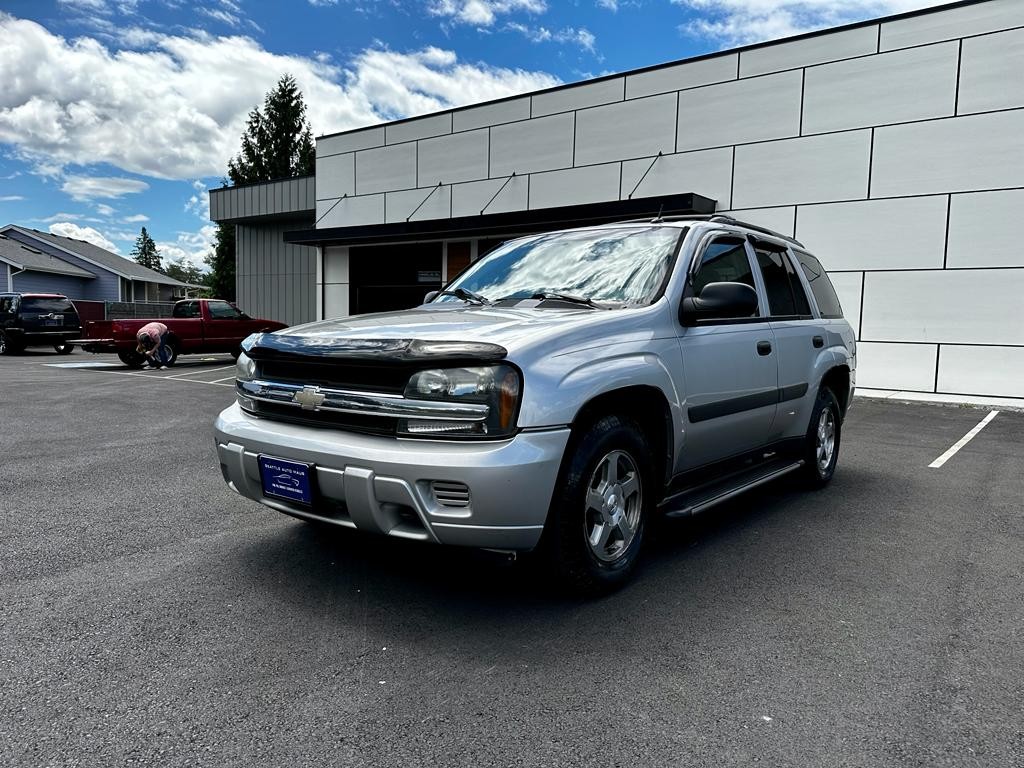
[
  {"x": 821, "y": 286},
  {"x": 46, "y": 306}
]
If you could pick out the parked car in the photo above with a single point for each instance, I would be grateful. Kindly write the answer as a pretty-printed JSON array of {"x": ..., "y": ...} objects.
[
  {"x": 196, "y": 326},
  {"x": 37, "y": 320},
  {"x": 557, "y": 395}
]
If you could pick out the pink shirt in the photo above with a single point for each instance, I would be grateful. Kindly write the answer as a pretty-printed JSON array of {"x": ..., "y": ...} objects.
[{"x": 153, "y": 330}]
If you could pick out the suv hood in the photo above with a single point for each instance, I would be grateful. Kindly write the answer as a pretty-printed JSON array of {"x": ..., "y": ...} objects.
[{"x": 495, "y": 331}]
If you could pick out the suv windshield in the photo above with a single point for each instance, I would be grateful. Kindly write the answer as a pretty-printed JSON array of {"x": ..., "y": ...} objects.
[
  {"x": 623, "y": 266},
  {"x": 46, "y": 306}
]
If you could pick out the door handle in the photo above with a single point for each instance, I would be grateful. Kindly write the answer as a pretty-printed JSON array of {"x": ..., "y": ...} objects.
[
  {"x": 818, "y": 342},
  {"x": 764, "y": 348}
]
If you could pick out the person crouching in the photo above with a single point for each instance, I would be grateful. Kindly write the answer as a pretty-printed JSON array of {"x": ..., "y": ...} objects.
[{"x": 152, "y": 344}]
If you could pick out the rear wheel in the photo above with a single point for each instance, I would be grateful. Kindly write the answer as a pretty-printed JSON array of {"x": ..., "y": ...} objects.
[
  {"x": 131, "y": 358},
  {"x": 64, "y": 349},
  {"x": 8, "y": 347},
  {"x": 821, "y": 444},
  {"x": 596, "y": 524},
  {"x": 170, "y": 354}
]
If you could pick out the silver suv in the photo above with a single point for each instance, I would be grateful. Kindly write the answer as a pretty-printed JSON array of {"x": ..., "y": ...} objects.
[{"x": 558, "y": 394}]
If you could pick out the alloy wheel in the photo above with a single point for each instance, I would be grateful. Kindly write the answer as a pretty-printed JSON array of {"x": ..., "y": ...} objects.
[
  {"x": 614, "y": 502},
  {"x": 825, "y": 444}
]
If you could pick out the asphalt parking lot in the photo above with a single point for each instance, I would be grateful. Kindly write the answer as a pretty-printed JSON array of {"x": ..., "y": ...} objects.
[{"x": 150, "y": 616}]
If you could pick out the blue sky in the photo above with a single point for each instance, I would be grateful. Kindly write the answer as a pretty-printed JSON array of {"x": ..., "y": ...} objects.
[{"x": 117, "y": 114}]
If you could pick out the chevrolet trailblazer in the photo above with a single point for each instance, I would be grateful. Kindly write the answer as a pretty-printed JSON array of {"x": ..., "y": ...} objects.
[{"x": 558, "y": 394}]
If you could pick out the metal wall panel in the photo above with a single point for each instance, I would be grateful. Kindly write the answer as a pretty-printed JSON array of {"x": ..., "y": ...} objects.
[
  {"x": 905, "y": 233},
  {"x": 777, "y": 219},
  {"x": 896, "y": 366},
  {"x": 424, "y": 127},
  {"x": 848, "y": 286},
  {"x": 915, "y": 84},
  {"x": 459, "y": 157},
  {"x": 432, "y": 203},
  {"x": 274, "y": 279},
  {"x": 962, "y": 154},
  {"x": 704, "y": 72},
  {"x": 578, "y": 97},
  {"x": 984, "y": 230},
  {"x": 812, "y": 50},
  {"x": 492, "y": 114},
  {"x": 386, "y": 169},
  {"x": 808, "y": 170},
  {"x": 708, "y": 172},
  {"x": 350, "y": 142},
  {"x": 963, "y": 306},
  {"x": 363, "y": 209},
  {"x": 337, "y": 176},
  {"x": 536, "y": 145},
  {"x": 949, "y": 25},
  {"x": 469, "y": 199},
  {"x": 636, "y": 128},
  {"x": 591, "y": 184},
  {"x": 1003, "y": 369},
  {"x": 741, "y": 111},
  {"x": 990, "y": 72}
]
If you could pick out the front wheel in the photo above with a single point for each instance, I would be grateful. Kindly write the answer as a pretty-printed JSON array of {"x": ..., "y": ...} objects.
[
  {"x": 821, "y": 444},
  {"x": 64, "y": 349},
  {"x": 597, "y": 520}
]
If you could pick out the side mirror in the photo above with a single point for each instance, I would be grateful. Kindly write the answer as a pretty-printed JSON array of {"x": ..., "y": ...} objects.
[
  {"x": 431, "y": 295},
  {"x": 721, "y": 301}
]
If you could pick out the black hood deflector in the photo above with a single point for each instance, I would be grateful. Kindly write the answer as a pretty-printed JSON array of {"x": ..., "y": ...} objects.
[{"x": 274, "y": 346}]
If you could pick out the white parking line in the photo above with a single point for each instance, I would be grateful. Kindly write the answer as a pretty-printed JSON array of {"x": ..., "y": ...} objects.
[
  {"x": 161, "y": 378},
  {"x": 962, "y": 441},
  {"x": 201, "y": 370},
  {"x": 218, "y": 381}
]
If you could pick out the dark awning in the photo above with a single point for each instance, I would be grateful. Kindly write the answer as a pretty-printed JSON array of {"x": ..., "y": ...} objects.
[{"x": 510, "y": 223}]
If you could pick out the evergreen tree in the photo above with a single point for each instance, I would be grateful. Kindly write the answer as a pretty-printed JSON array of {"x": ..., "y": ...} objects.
[
  {"x": 145, "y": 252},
  {"x": 277, "y": 144},
  {"x": 186, "y": 273}
]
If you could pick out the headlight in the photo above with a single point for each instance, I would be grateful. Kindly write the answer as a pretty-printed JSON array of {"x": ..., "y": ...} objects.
[
  {"x": 245, "y": 370},
  {"x": 496, "y": 386}
]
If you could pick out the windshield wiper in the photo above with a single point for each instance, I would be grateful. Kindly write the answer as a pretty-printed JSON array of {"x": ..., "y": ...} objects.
[
  {"x": 568, "y": 297},
  {"x": 470, "y": 296}
]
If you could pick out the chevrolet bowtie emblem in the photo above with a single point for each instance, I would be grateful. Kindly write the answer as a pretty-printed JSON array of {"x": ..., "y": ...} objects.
[{"x": 310, "y": 398}]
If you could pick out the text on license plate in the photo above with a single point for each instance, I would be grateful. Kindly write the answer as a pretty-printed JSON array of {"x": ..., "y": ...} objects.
[{"x": 284, "y": 479}]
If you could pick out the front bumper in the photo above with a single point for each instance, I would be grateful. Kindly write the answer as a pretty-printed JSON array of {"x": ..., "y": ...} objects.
[{"x": 384, "y": 484}]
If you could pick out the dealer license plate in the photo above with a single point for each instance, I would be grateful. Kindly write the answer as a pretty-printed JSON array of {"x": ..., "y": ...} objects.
[{"x": 284, "y": 479}]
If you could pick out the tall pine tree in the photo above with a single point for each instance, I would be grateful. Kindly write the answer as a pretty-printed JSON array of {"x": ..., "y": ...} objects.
[
  {"x": 145, "y": 252},
  {"x": 277, "y": 144}
]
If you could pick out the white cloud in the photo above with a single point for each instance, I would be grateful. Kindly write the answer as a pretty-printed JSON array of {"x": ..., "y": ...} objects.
[
  {"x": 189, "y": 247},
  {"x": 199, "y": 202},
  {"x": 11, "y": 198},
  {"x": 580, "y": 36},
  {"x": 90, "y": 235},
  {"x": 734, "y": 22},
  {"x": 136, "y": 218},
  {"x": 482, "y": 13},
  {"x": 89, "y": 187},
  {"x": 608, "y": 5},
  {"x": 176, "y": 110},
  {"x": 104, "y": 210}
]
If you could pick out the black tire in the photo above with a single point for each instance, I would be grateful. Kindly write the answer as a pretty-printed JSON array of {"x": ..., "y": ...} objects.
[
  {"x": 172, "y": 355},
  {"x": 131, "y": 358},
  {"x": 567, "y": 548},
  {"x": 64, "y": 349},
  {"x": 827, "y": 417},
  {"x": 8, "y": 347},
  {"x": 236, "y": 352}
]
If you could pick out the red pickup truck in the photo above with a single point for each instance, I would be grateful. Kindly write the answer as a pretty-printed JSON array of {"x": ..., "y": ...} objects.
[{"x": 195, "y": 326}]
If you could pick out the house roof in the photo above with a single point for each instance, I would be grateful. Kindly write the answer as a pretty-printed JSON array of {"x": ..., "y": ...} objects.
[
  {"x": 25, "y": 257},
  {"x": 102, "y": 258}
]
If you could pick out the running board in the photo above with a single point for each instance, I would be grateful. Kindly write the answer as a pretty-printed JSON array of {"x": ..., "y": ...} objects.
[{"x": 695, "y": 501}]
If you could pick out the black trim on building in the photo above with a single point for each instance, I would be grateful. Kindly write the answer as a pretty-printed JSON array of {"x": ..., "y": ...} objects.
[{"x": 512, "y": 222}]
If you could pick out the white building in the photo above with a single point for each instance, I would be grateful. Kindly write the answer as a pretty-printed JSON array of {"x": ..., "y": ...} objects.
[{"x": 893, "y": 149}]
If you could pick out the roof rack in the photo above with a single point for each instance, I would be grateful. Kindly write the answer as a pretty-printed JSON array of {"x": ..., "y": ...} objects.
[{"x": 715, "y": 217}]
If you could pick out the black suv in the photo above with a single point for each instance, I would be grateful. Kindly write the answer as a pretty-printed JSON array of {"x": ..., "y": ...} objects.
[{"x": 37, "y": 320}]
